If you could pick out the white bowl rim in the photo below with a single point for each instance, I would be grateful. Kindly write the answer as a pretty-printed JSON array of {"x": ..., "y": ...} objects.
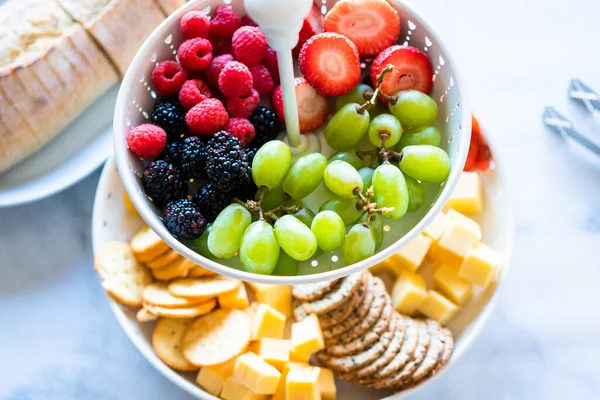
[{"x": 129, "y": 179}]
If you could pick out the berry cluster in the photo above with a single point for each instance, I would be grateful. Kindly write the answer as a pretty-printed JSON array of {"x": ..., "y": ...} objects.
[{"x": 207, "y": 124}]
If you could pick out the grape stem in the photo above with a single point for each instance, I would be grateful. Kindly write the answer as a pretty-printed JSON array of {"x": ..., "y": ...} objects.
[
  {"x": 369, "y": 206},
  {"x": 387, "y": 154},
  {"x": 255, "y": 207},
  {"x": 374, "y": 162},
  {"x": 373, "y": 100}
]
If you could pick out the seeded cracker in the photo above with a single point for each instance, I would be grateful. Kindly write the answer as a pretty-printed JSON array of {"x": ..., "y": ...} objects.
[
  {"x": 336, "y": 297},
  {"x": 341, "y": 313},
  {"x": 434, "y": 353},
  {"x": 313, "y": 291}
]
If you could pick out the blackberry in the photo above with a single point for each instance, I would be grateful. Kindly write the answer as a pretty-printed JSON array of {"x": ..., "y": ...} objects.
[
  {"x": 162, "y": 182},
  {"x": 184, "y": 220},
  {"x": 246, "y": 190},
  {"x": 169, "y": 115},
  {"x": 267, "y": 125},
  {"x": 226, "y": 162},
  {"x": 172, "y": 153},
  {"x": 193, "y": 159},
  {"x": 251, "y": 152},
  {"x": 211, "y": 201}
]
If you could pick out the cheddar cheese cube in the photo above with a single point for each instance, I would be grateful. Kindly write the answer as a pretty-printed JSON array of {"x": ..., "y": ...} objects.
[
  {"x": 307, "y": 338},
  {"x": 447, "y": 282},
  {"x": 302, "y": 383},
  {"x": 267, "y": 323},
  {"x": 467, "y": 197},
  {"x": 236, "y": 299},
  {"x": 386, "y": 266},
  {"x": 327, "y": 384},
  {"x": 438, "y": 307},
  {"x": 274, "y": 351},
  {"x": 411, "y": 256},
  {"x": 437, "y": 227},
  {"x": 234, "y": 390},
  {"x": 408, "y": 292},
  {"x": 280, "y": 392},
  {"x": 455, "y": 216},
  {"x": 256, "y": 374},
  {"x": 480, "y": 265},
  {"x": 277, "y": 296},
  {"x": 212, "y": 378},
  {"x": 454, "y": 244}
]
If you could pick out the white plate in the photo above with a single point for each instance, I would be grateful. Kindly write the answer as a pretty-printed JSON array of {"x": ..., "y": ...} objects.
[
  {"x": 77, "y": 151},
  {"x": 111, "y": 222}
]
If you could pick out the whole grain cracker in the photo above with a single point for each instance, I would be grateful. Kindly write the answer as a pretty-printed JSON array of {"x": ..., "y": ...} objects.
[
  {"x": 174, "y": 270},
  {"x": 341, "y": 313},
  {"x": 121, "y": 274},
  {"x": 434, "y": 353},
  {"x": 166, "y": 341},
  {"x": 164, "y": 260},
  {"x": 346, "y": 288},
  {"x": 147, "y": 245},
  {"x": 313, "y": 291},
  {"x": 183, "y": 312},
  {"x": 157, "y": 294},
  {"x": 448, "y": 347},
  {"x": 202, "y": 288},
  {"x": 298, "y": 311},
  {"x": 216, "y": 338}
]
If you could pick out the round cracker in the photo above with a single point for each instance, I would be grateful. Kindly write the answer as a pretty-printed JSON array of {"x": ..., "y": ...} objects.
[
  {"x": 434, "y": 353},
  {"x": 357, "y": 361},
  {"x": 198, "y": 271},
  {"x": 448, "y": 347},
  {"x": 313, "y": 291},
  {"x": 157, "y": 294},
  {"x": 201, "y": 288},
  {"x": 147, "y": 245},
  {"x": 216, "y": 338},
  {"x": 166, "y": 341},
  {"x": 333, "y": 299},
  {"x": 183, "y": 312},
  {"x": 144, "y": 315},
  {"x": 337, "y": 315},
  {"x": 164, "y": 260},
  {"x": 121, "y": 274},
  {"x": 176, "y": 269},
  {"x": 298, "y": 311}
]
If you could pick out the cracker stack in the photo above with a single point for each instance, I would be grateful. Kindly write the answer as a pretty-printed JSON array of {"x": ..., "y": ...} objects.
[{"x": 366, "y": 341}]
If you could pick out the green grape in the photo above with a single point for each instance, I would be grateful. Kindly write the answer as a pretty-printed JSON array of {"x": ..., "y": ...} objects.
[
  {"x": 225, "y": 236},
  {"x": 390, "y": 190},
  {"x": 356, "y": 95},
  {"x": 305, "y": 176},
  {"x": 349, "y": 156},
  {"x": 376, "y": 223},
  {"x": 378, "y": 110},
  {"x": 329, "y": 229},
  {"x": 271, "y": 164},
  {"x": 416, "y": 194},
  {"x": 347, "y": 127},
  {"x": 414, "y": 109},
  {"x": 385, "y": 124},
  {"x": 271, "y": 199},
  {"x": 201, "y": 244},
  {"x": 349, "y": 209},
  {"x": 342, "y": 179},
  {"x": 425, "y": 163},
  {"x": 305, "y": 215},
  {"x": 286, "y": 266},
  {"x": 358, "y": 245},
  {"x": 295, "y": 238},
  {"x": 260, "y": 251},
  {"x": 367, "y": 177},
  {"x": 423, "y": 135}
]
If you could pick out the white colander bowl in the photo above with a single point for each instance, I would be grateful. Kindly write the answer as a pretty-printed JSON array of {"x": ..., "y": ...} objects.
[{"x": 136, "y": 99}]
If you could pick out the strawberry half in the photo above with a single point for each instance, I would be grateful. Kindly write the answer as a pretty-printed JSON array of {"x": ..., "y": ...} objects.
[
  {"x": 313, "y": 24},
  {"x": 330, "y": 63},
  {"x": 413, "y": 70},
  {"x": 372, "y": 25},
  {"x": 313, "y": 109}
]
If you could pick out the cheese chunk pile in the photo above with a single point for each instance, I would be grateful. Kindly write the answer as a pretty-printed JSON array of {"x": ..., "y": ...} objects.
[{"x": 452, "y": 244}]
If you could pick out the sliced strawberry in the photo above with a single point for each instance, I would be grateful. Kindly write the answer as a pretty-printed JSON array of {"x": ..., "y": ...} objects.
[
  {"x": 413, "y": 70},
  {"x": 313, "y": 109},
  {"x": 372, "y": 25},
  {"x": 480, "y": 155},
  {"x": 330, "y": 63},
  {"x": 312, "y": 25}
]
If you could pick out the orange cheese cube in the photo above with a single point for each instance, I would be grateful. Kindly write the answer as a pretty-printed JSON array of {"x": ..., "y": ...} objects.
[
  {"x": 236, "y": 299},
  {"x": 438, "y": 307},
  {"x": 467, "y": 197},
  {"x": 302, "y": 383},
  {"x": 212, "y": 379},
  {"x": 267, "y": 323},
  {"x": 274, "y": 351},
  {"x": 455, "y": 242},
  {"x": 307, "y": 338},
  {"x": 280, "y": 392},
  {"x": 277, "y": 296},
  {"x": 480, "y": 265},
  {"x": 437, "y": 227},
  {"x": 327, "y": 384},
  {"x": 411, "y": 256},
  {"x": 447, "y": 282},
  {"x": 234, "y": 390},
  {"x": 256, "y": 374},
  {"x": 455, "y": 216},
  {"x": 408, "y": 292}
]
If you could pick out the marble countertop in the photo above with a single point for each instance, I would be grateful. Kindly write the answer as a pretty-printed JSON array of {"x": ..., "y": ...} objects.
[{"x": 58, "y": 339}]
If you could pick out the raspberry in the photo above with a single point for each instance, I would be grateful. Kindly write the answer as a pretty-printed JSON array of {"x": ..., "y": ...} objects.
[
  {"x": 235, "y": 80},
  {"x": 195, "y": 54},
  {"x": 193, "y": 92},
  {"x": 263, "y": 82},
  {"x": 216, "y": 66},
  {"x": 249, "y": 45},
  {"x": 247, "y": 21},
  {"x": 163, "y": 183},
  {"x": 147, "y": 141},
  {"x": 241, "y": 129},
  {"x": 225, "y": 23},
  {"x": 270, "y": 61},
  {"x": 184, "y": 220},
  {"x": 243, "y": 107},
  {"x": 194, "y": 24},
  {"x": 207, "y": 118},
  {"x": 167, "y": 78}
]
